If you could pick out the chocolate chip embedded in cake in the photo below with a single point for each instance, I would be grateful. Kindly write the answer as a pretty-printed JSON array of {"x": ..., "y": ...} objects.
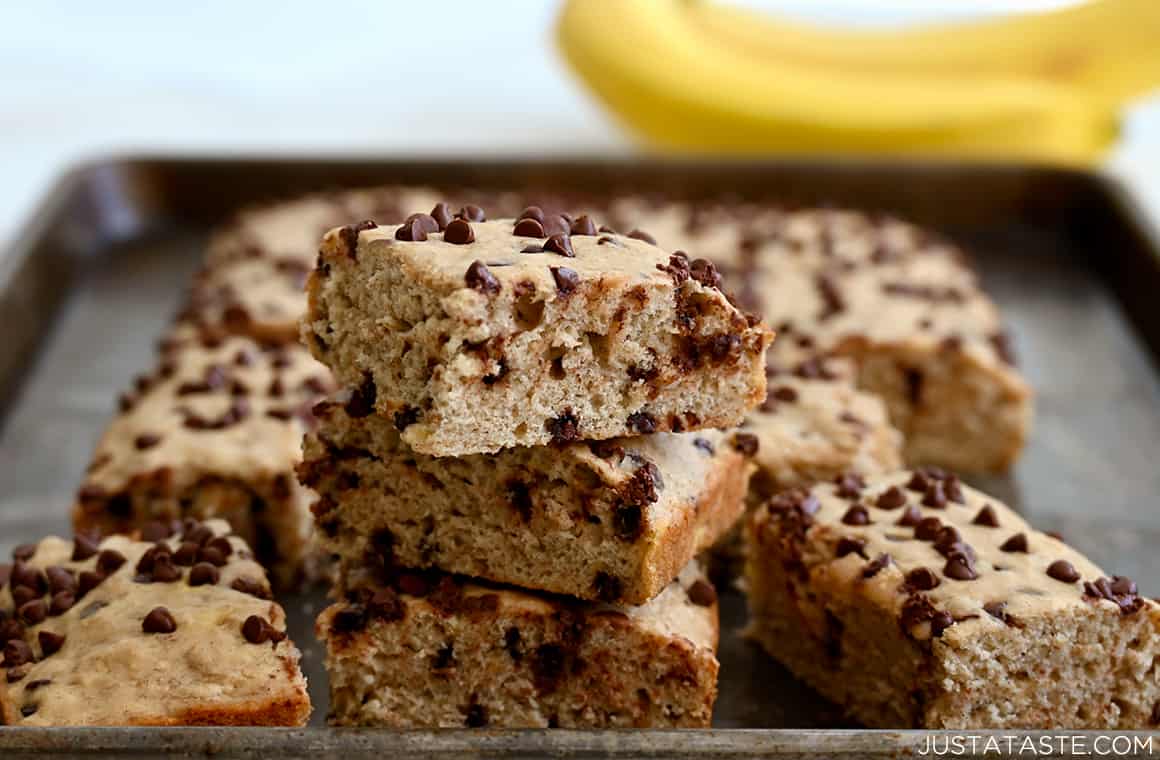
[
  {"x": 939, "y": 607},
  {"x": 430, "y": 651},
  {"x": 214, "y": 431},
  {"x": 497, "y": 339},
  {"x": 126, "y": 632},
  {"x": 610, "y": 520}
]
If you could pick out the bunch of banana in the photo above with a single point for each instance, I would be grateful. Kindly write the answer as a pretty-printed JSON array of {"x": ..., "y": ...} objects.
[{"x": 703, "y": 77}]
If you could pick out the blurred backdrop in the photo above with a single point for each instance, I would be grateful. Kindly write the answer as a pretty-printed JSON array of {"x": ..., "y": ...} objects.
[{"x": 83, "y": 80}]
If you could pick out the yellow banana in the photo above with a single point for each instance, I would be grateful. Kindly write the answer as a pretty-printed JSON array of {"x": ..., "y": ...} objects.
[
  {"x": 1111, "y": 48},
  {"x": 686, "y": 88}
]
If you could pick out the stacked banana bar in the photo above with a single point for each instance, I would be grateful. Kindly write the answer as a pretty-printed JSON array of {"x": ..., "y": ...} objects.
[{"x": 524, "y": 459}]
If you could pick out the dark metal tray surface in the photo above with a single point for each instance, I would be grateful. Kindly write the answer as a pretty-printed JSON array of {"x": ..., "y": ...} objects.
[{"x": 101, "y": 267}]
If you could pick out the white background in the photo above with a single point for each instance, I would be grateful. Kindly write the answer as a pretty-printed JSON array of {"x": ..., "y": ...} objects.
[{"x": 86, "y": 79}]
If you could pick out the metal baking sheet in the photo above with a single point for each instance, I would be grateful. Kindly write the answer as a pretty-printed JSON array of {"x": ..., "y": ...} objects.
[{"x": 101, "y": 267}]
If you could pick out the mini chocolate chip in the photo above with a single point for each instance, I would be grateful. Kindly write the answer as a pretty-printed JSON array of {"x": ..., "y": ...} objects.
[
  {"x": 441, "y": 213},
  {"x": 918, "y": 482},
  {"x": 24, "y": 552},
  {"x": 17, "y": 653},
  {"x": 39, "y": 683},
  {"x": 564, "y": 428},
  {"x": 109, "y": 561},
  {"x": 532, "y": 212},
  {"x": 642, "y": 235},
  {"x": 186, "y": 554},
  {"x": 847, "y": 545},
  {"x": 247, "y": 585},
  {"x": 583, "y": 225},
  {"x": 211, "y": 555},
  {"x": 87, "y": 580},
  {"x": 480, "y": 278},
  {"x": 146, "y": 441},
  {"x": 567, "y": 280},
  {"x": 561, "y": 244},
  {"x": 927, "y": 529},
  {"x": 60, "y": 579},
  {"x": 745, "y": 443},
  {"x": 84, "y": 547},
  {"x": 414, "y": 230},
  {"x": 471, "y": 213},
  {"x": 987, "y": 517},
  {"x": 157, "y": 530},
  {"x": 702, "y": 594},
  {"x": 220, "y": 544},
  {"x": 50, "y": 643},
  {"x": 257, "y": 630},
  {"x": 935, "y": 496},
  {"x": 1017, "y": 543},
  {"x": 608, "y": 588},
  {"x": 856, "y": 515},
  {"x": 704, "y": 445},
  {"x": 892, "y": 498},
  {"x": 33, "y": 612},
  {"x": 197, "y": 533},
  {"x": 24, "y": 574},
  {"x": 204, "y": 574},
  {"x": 159, "y": 620},
  {"x": 528, "y": 228},
  {"x": 876, "y": 566},
  {"x": 911, "y": 517},
  {"x": 1063, "y": 571},
  {"x": 476, "y": 716},
  {"x": 921, "y": 579},
  {"x": 785, "y": 394},
  {"x": 164, "y": 571},
  {"x": 642, "y": 422},
  {"x": 62, "y": 602},
  {"x": 960, "y": 568},
  {"x": 459, "y": 232},
  {"x": 21, "y": 595},
  {"x": 850, "y": 485}
]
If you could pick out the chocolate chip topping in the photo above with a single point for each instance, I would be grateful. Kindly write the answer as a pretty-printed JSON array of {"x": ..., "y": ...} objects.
[
  {"x": 856, "y": 515},
  {"x": 1017, "y": 543},
  {"x": 927, "y": 529},
  {"x": 850, "y": 485},
  {"x": 471, "y": 213},
  {"x": 33, "y": 612},
  {"x": 998, "y": 611},
  {"x": 561, "y": 244},
  {"x": 257, "y": 630},
  {"x": 986, "y": 517},
  {"x": 1063, "y": 571},
  {"x": 529, "y": 228},
  {"x": 458, "y": 232},
  {"x": 17, "y": 653},
  {"x": 84, "y": 547},
  {"x": 480, "y": 278},
  {"x": 583, "y": 225},
  {"x": 911, "y": 517},
  {"x": 50, "y": 643},
  {"x": 441, "y": 213},
  {"x": 159, "y": 620},
  {"x": 1118, "y": 589},
  {"x": 204, "y": 574},
  {"x": 702, "y": 594},
  {"x": 109, "y": 560},
  {"x": 642, "y": 235},
  {"x": 892, "y": 498},
  {"x": 921, "y": 579},
  {"x": 415, "y": 228},
  {"x": 959, "y": 567}
]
